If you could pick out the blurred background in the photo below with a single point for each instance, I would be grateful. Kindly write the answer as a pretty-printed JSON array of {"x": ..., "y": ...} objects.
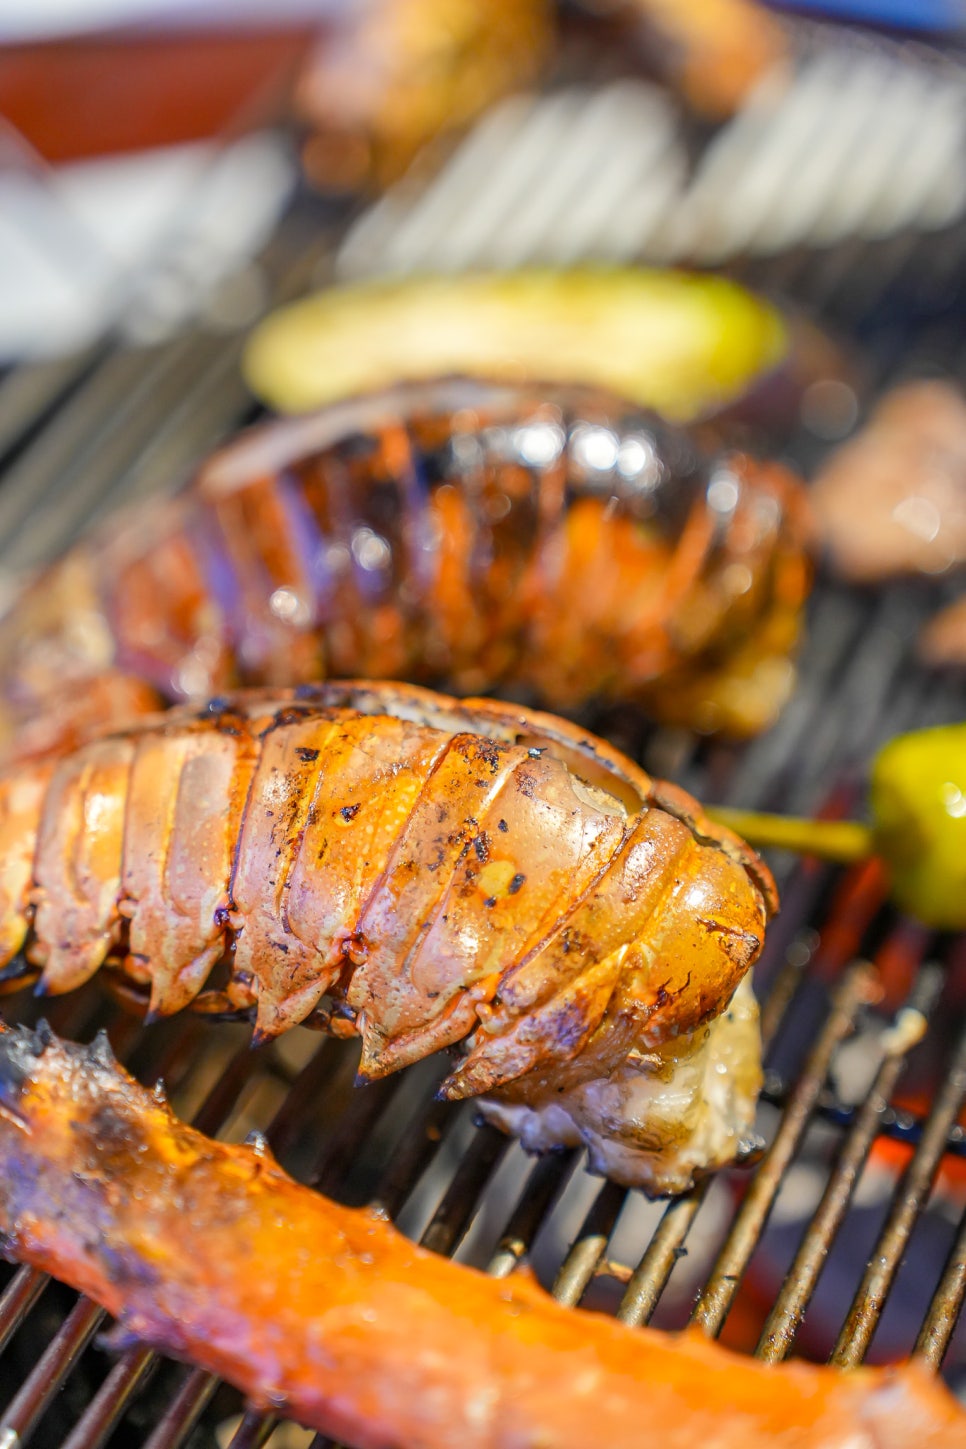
[{"x": 148, "y": 150}]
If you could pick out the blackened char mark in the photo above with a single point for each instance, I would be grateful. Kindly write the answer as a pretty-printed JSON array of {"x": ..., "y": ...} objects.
[{"x": 19, "y": 1051}]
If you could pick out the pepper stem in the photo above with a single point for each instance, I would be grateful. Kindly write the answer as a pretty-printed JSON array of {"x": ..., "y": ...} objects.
[{"x": 841, "y": 841}]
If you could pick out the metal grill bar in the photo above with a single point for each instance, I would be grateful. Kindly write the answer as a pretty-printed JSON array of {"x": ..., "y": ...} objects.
[
  {"x": 253, "y": 1431},
  {"x": 545, "y": 1183},
  {"x": 856, "y": 990},
  {"x": 87, "y": 421},
  {"x": 779, "y": 1331},
  {"x": 19, "y": 1296},
  {"x": 588, "y": 1251},
  {"x": 946, "y": 1305},
  {"x": 72, "y": 462},
  {"x": 105, "y": 1411},
  {"x": 895, "y": 1124},
  {"x": 62, "y": 1353},
  {"x": 365, "y": 1107},
  {"x": 138, "y": 420},
  {"x": 413, "y": 1155},
  {"x": 652, "y": 1273},
  {"x": 184, "y": 1411},
  {"x": 478, "y": 1164},
  {"x": 28, "y": 396},
  {"x": 910, "y": 1199}
]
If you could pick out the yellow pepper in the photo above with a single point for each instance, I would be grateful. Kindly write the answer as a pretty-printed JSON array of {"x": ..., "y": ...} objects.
[
  {"x": 917, "y": 804},
  {"x": 683, "y": 344}
]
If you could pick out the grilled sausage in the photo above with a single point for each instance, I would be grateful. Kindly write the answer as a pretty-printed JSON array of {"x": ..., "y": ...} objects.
[
  {"x": 424, "y": 873},
  {"x": 560, "y": 542},
  {"x": 329, "y": 1315}
]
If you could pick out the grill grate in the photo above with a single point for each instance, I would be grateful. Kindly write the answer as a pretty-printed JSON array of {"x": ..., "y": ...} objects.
[{"x": 827, "y": 1244}]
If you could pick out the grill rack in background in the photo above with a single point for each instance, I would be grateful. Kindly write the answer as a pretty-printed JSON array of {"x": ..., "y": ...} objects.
[{"x": 856, "y": 1001}]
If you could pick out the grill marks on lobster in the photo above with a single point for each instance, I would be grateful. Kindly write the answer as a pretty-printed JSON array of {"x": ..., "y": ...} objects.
[
  {"x": 556, "y": 540},
  {"x": 441, "y": 873}
]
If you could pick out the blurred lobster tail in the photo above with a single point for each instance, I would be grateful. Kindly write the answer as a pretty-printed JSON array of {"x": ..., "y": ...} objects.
[{"x": 553, "y": 541}]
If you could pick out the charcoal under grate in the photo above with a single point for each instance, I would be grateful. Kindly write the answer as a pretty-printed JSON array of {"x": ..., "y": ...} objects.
[{"x": 844, "y": 1238}]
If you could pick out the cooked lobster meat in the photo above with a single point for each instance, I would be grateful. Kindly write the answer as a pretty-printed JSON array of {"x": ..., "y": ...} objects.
[
  {"x": 426, "y": 874},
  {"x": 562, "y": 542},
  {"x": 329, "y": 1315}
]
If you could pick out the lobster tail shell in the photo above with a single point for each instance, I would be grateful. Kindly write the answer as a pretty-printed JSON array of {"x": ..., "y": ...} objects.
[
  {"x": 559, "y": 541},
  {"x": 441, "y": 872}
]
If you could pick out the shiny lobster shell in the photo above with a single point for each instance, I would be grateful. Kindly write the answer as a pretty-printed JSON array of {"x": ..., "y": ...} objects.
[
  {"x": 556, "y": 542},
  {"x": 394, "y": 863}
]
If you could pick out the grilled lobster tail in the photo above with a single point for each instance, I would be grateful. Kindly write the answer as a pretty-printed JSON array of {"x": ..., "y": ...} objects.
[
  {"x": 558, "y": 541},
  {"x": 331, "y": 1313},
  {"x": 419, "y": 871}
]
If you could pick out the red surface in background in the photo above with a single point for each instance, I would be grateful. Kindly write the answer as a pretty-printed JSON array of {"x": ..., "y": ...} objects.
[{"x": 126, "y": 91}]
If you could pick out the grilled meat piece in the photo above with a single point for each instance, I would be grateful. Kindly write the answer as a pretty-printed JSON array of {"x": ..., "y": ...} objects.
[
  {"x": 329, "y": 1315},
  {"x": 691, "y": 1098},
  {"x": 559, "y": 541},
  {"x": 892, "y": 500},
  {"x": 398, "y": 74},
  {"x": 715, "y": 51},
  {"x": 943, "y": 640},
  {"x": 440, "y": 873}
]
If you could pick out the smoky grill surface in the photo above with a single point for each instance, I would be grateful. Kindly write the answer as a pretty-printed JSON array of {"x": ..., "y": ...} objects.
[{"x": 845, "y": 1237}]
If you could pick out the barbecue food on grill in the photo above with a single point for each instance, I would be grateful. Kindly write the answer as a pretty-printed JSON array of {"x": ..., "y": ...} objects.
[
  {"x": 892, "y": 500},
  {"x": 560, "y": 541},
  {"x": 396, "y": 75},
  {"x": 399, "y": 73},
  {"x": 442, "y": 874},
  {"x": 683, "y": 344},
  {"x": 716, "y": 51},
  {"x": 917, "y": 796},
  {"x": 917, "y": 799},
  {"x": 328, "y": 1315},
  {"x": 943, "y": 639}
]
